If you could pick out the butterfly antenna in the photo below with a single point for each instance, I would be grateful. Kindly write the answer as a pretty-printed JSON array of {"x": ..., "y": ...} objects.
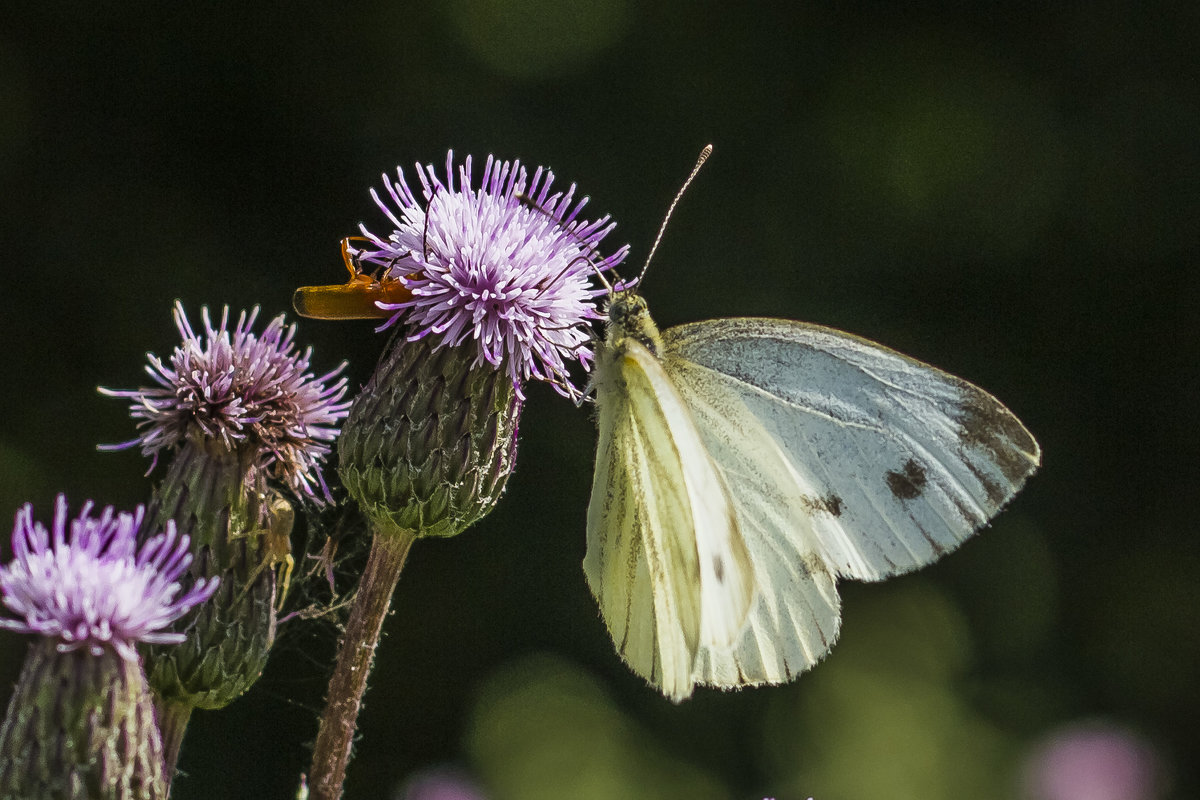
[{"x": 704, "y": 154}]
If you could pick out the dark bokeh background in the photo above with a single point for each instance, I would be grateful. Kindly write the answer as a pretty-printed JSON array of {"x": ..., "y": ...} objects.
[{"x": 1008, "y": 193}]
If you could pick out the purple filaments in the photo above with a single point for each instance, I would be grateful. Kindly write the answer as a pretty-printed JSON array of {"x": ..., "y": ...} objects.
[
  {"x": 507, "y": 268},
  {"x": 92, "y": 586},
  {"x": 241, "y": 388}
]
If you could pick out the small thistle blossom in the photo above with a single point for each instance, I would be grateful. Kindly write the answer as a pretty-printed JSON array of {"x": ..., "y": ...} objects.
[
  {"x": 95, "y": 588},
  {"x": 508, "y": 266},
  {"x": 240, "y": 387}
]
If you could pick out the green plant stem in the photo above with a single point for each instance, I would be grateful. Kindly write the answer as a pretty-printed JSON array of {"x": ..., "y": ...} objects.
[
  {"x": 172, "y": 722},
  {"x": 331, "y": 755}
]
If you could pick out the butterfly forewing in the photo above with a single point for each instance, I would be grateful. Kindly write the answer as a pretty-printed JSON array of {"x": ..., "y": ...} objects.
[
  {"x": 615, "y": 564},
  {"x": 662, "y": 533},
  {"x": 901, "y": 461}
]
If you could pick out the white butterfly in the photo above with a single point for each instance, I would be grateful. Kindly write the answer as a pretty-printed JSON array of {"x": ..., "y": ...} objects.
[{"x": 744, "y": 465}]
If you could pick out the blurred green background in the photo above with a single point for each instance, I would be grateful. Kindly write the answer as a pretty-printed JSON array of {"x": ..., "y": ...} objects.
[{"x": 1007, "y": 191}]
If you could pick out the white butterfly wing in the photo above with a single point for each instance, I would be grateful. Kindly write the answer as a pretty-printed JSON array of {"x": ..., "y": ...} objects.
[
  {"x": 665, "y": 559},
  {"x": 843, "y": 458}
]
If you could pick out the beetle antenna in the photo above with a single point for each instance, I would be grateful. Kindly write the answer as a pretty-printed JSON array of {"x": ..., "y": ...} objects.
[
  {"x": 425, "y": 227},
  {"x": 350, "y": 255},
  {"x": 591, "y": 249}
]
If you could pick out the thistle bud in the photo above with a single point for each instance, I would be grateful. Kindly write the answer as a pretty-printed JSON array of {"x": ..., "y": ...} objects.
[
  {"x": 218, "y": 499},
  {"x": 431, "y": 440},
  {"x": 81, "y": 726},
  {"x": 81, "y": 723},
  {"x": 235, "y": 409}
]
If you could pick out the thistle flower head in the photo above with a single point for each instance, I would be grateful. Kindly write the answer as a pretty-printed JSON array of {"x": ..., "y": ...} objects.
[
  {"x": 240, "y": 388},
  {"x": 93, "y": 586},
  {"x": 506, "y": 268}
]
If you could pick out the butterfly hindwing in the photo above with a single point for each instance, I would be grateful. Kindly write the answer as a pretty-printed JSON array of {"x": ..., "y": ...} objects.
[{"x": 796, "y": 617}]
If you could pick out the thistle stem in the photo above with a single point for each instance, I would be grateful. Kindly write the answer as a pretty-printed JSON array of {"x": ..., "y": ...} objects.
[
  {"x": 331, "y": 755},
  {"x": 172, "y": 722}
]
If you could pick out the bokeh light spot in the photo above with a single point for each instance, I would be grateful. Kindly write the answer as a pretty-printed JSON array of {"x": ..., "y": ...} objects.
[
  {"x": 885, "y": 715},
  {"x": 544, "y": 729},
  {"x": 537, "y": 38},
  {"x": 944, "y": 139}
]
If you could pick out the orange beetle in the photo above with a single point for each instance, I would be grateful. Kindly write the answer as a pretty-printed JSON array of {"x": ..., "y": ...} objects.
[{"x": 354, "y": 299}]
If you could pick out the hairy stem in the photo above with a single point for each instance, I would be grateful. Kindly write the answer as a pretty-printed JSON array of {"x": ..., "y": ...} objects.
[
  {"x": 389, "y": 548},
  {"x": 172, "y": 722}
]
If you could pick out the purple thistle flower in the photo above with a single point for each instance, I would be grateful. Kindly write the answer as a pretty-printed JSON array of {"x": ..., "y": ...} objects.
[
  {"x": 241, "y": 388},
  {"x": 440, "y": 784},
  {"x": 507, "y": 266},
  {"x": 1093, "y": 760},
  {"x": 95, "y": 588}
]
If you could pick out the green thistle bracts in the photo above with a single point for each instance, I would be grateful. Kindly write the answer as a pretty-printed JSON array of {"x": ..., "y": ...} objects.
[
  {"x": 80, "y": 727},
  {"x": 219, "y": 498},
  {"x": 430, "y": 441}
]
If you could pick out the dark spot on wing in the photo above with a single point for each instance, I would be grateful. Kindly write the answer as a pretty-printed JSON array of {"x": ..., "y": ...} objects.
[
  {"x": 719, "y": 569},
  {"x": 909, "y": 484},
  {"x": 812, "y": 565},
  {"x": 996, "y": 494},
  {"x": 988, "y": 425},
  {"x": 830, "y": 504},
  {"x": 833, "y": 504}
]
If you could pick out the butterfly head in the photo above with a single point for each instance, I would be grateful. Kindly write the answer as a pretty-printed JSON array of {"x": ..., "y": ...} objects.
[{"x": 628, "y": 318}]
